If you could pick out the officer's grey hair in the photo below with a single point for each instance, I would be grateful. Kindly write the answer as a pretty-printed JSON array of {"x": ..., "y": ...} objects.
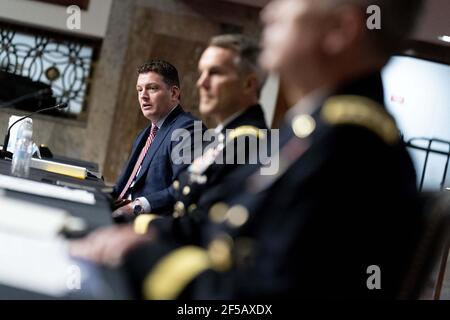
[
  {"x": 398, "y": 20},
  {"x": 247, "y": 51}
]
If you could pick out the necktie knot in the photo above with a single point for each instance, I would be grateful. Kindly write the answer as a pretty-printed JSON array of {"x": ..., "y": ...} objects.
[
  {"x": 151, "y": 136},
  {"x": 154, "y": 129}
]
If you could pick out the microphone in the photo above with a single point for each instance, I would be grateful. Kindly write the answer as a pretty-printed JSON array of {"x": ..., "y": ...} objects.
[
  {"x": 36, "y": 94},
  {"x": 4, "y": 153}
]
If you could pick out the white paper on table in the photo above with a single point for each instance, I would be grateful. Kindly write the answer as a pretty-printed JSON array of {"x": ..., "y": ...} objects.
[
  {"x": 41, "y": 266},
  {"x": 33, "y": 220},
  {"x": 46, "y": 190}
]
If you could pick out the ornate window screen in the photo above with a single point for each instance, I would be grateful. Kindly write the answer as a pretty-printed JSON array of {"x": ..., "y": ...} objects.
[{"x": 65, "y": 65}]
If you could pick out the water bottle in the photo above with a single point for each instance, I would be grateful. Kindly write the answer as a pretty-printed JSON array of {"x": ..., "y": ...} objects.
[{"x": 23, "y": 152}]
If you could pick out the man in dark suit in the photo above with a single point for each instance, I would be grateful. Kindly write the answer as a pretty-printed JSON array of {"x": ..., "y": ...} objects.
[
  {"x": 341, "y": 218},
  {"x": 150, "y": 171}
]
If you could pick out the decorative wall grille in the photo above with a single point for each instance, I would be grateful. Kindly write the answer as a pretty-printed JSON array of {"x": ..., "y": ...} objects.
[{"x": 63, "y": 62}]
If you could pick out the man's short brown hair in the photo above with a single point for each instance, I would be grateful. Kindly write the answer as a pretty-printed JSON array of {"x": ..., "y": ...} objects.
[{"x": 164, "y": 69}]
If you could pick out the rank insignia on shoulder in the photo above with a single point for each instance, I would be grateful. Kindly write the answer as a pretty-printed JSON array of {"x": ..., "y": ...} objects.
[
  {"x": 173, "y": 272},
  {"x": 246, "y": 131},
  {"x": 360, "y": 111}
]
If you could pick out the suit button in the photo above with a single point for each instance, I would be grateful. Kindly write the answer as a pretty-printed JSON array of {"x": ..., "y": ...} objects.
[
  {"x": 237, "y": 216},
  {"x": 303, "y": 125},
  {"x": 220, "y": 252},
  {"x": 186, "y": 190},
  {"x": 192, "y": 207},
  {"x": 218, "y": 212},
  {"x": 176, "y": 185},
  {"x": 179, "y": 209}
]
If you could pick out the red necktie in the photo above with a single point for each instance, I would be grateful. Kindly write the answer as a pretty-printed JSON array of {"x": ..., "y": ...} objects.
[{"x": 149, "y": 141}]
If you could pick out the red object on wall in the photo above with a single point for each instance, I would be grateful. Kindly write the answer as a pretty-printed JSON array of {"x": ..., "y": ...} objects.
[
  {"x": 83, "y": 4},
  {"x": 397, "y": 99}
]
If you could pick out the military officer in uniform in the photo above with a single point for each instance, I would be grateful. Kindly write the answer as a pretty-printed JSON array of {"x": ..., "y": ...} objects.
[{"x": 341, "y": 217}]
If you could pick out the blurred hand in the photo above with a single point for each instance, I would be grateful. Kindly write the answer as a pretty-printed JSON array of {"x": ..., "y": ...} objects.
[
  {"x": 124, "y": 213},
  {"x": 120, "y": 203},
  {"x": 108, "y": 245}
]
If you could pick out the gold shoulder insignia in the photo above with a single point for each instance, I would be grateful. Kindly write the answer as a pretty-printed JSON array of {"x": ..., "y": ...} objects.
[
  {"x": 361, "y": 111},
  {"x": 246, "y": 131},
  {"x": 142, "y": 222},
  {"x": 177, "y": 269},
  {"x": 174, "y": 272}
]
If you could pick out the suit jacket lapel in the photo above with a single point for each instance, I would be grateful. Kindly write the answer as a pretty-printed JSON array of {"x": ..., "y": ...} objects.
[{"x": 160, "y": 136}]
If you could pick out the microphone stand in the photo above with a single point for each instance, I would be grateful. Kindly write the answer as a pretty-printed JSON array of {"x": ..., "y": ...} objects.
[{"x": 4, "y": 153}]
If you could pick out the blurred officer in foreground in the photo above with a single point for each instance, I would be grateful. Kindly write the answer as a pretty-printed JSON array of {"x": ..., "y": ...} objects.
[
  {"x": 229, "y": 85},
  {"x": 341, "y": 217}
]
